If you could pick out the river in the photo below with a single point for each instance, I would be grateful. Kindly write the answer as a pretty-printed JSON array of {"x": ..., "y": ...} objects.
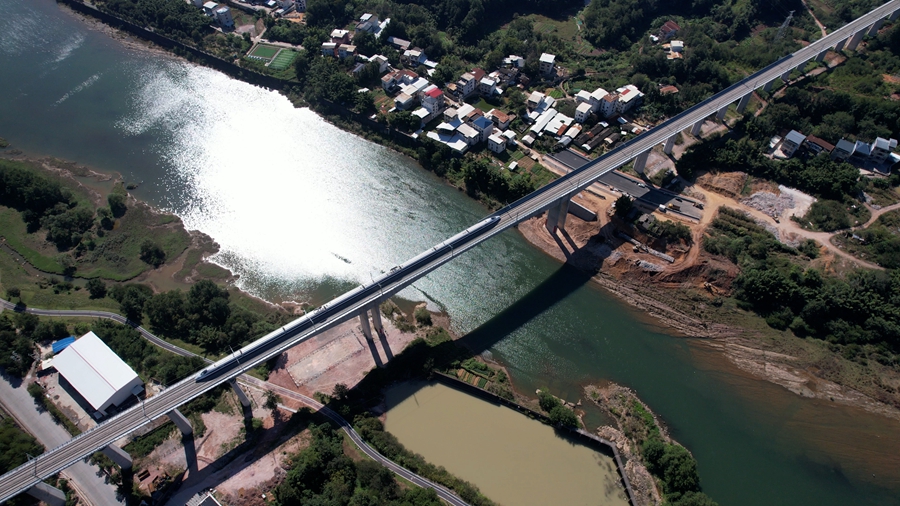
[{"x": 303, "y": 211}]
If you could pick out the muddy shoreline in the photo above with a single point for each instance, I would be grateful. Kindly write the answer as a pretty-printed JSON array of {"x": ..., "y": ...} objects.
[{"x": 740, "y": 346}]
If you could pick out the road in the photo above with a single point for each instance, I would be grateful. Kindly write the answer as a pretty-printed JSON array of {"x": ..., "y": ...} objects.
[
  {"x": 87, "y": 479},
  {"x": 56, "y": 435},
  {"x": 645, "y": 193},
  {"x": 354, "y": 303}
]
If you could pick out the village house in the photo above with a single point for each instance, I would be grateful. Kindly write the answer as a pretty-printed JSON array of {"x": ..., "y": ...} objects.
[
  {"x": 487, "y": 86},
  {"x": 223, "y": 16},
  {"x": 329, "y": 49},
  {"x": 466, "y": 85},
  {"x": 391, "y": 81},
  {"x": 340, "y": 36},
  {"x": 583, "y": 112},
  {"x": 514, "y": 61},
  {"x": 882, "y": 148},
  {"x": 346, "y": 51},
  {"x": 497, "y": 143},
  {"x": 484, "y": 126},
  {"x": 547, "y": 64},
  {"x": 843, "y": 150},
  {"x": 628, "y": 98},
  {"x": 500, "y": 118},
  {"x": 398, "y": 43},
  {"x": 209, "y": 8},
  {"x": 816, "y": 145},
  {"x": 668, "y": 30},
  {"x": 433, "y": 100},
  {"x": 792, "y": 141}
]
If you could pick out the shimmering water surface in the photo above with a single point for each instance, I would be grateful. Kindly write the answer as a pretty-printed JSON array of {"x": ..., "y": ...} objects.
[{"x": 303, "y": 210}]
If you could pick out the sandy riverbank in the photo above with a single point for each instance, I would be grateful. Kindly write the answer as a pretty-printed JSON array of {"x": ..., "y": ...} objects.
[{"x": 674, "y": 299}]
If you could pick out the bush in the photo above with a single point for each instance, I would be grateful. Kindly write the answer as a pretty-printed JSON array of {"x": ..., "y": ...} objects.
[
  {"x": 423, "y": 316},
  {"x": 828, "y": 215},
  {"x": 152, "y": 254},
  {"x": 97, "y": 288}
]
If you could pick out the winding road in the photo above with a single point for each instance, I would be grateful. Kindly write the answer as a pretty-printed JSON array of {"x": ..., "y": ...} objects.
[{"x": 442, "y": 492}]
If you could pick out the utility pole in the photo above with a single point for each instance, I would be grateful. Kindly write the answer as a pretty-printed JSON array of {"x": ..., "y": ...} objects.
[{"x": 784, "y": 26}]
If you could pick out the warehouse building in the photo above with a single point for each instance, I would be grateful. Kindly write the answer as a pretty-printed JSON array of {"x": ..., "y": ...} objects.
[{"x": 97, "y": 373}]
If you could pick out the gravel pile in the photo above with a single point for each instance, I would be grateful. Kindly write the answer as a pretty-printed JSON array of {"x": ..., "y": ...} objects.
[{"x": 769, "y": 203}]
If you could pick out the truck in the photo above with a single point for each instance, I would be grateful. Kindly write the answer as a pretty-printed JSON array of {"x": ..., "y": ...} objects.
[{"x": 675, "y": 207}]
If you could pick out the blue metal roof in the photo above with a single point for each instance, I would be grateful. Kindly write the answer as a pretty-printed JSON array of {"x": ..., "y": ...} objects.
[{"x": 60, "y": 345}]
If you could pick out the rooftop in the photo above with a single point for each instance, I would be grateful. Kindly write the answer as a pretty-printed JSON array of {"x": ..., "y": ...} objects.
[
  {"x": 94, "y": 369},
  {"x": 547, "y": 58}
]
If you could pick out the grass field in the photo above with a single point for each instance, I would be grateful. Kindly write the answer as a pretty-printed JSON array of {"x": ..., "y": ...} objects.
[
  {"x": 264, "y": 51},
  {"x": 283, "y": 60}
]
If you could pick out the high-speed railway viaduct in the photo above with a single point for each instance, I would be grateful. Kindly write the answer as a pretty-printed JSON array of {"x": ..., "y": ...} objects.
[{"x": 364, "y": 301}]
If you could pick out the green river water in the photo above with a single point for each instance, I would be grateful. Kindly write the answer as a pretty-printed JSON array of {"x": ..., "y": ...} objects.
[{"x": 303, "y": 210}]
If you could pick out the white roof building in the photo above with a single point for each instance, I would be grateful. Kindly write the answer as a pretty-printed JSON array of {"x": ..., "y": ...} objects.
[{"x": 97, "y": 373}]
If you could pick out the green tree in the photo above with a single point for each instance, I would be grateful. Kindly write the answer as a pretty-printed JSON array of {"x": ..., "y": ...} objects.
[
  {"x": 152, "y": 253},
  {"x": 97, "y": 288},
  {"x": 563, "y": 416},
  {"x": 547, "y": 401},
  {"x": 272, "y": 399},
  {"x": 117, "y": 204},
  {"x": 340, "y": 392},
  {"x": 679, "y": 470},
  {"x": 13, "y": 292},
  {"x": 624, "y": 205}
]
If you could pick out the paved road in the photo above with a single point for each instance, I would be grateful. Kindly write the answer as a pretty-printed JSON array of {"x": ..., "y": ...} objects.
[
  {"x": 644, "y": 192},
  {"x": 87, "y": 479},
  {"x": 61, "y": 436},
  {"x": 354, "y": 303}
]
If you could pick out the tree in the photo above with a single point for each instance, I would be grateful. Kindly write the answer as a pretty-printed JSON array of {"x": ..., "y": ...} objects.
[
  {"x": 152, "y": 253},
  {"x": 117, "y": 204},
  {"x": 131, "y": 300},
  {"x": 547, "y": 401},
  {"x": 679, "y": 470},
  {"x": 272, "y": 399},
  {"x": 13, "y": 292},
  {"x": 624, "y": 205},
  {"x": 97, "y": 288},
  {"x": 563, "y": 416},
  {"x": 340, "y": 391}
]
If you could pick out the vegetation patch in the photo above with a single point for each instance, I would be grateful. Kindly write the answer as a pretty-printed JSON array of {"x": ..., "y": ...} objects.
[{"x": 879, "y": 242}]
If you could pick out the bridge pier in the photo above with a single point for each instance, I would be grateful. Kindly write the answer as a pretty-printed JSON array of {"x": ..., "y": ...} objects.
[
  {"x": 722, "y": 112},
  {"x": 47, "y": 494},
  {"x": 241, "y": 395},
  {"x": 556, "y": 215},
  {"x": 894, "y": 15},
  {"x": 745, "y": 100},
  {"x": 839, "y": 46},
  {"x": 670, "y": 144},
  {"x": 364, "y": 324},
  {"x": 873, "y": 31},
  {"x": 855, "y": 40},
  {"x": 640, "y": 161},
  {"x": 695, "y": 130},
  {"x": 376, "y": 319},
  {"x": 768, "y": 87},
  {"x": 183, "y": 424},
  {"x": 801, "y": 67},
  {"x": 118, "y": 455},
  {"x": 786, "y": 77},
  {"x": 821, "y": 56}
]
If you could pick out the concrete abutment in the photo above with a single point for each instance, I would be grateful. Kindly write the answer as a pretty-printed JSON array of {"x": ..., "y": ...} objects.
[
  {"x": 183, "y": 424},
  {"x": 118, "y": 455},
  {"x": 47, "y": 494}
]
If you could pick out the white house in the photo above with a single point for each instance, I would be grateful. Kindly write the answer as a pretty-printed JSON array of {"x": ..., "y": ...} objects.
[
  {"x": 608, "y": 105},
  {"x": 628, "y": 97},
  {"x": 346, "y": 51},
  {"x": 329, "y": 48},
  {"x": 582, "y": 112},
  {"x": 340, "y": 36},
  {"x": 487, "y": 86},
  {"x": 209, "y": 8},
  {"x": 466, "y": 84},
  {"x": 583, "y": 96},
  {"x": 97, "y": 373},
  {"x": 469, "y": 133},
  {"x": 497, "y": 143},
  {"x": 223, "y": 16},
  {"x": 791, "y": 142},
  {"x": 882, "y": 148},
  {"x": 404, "y": 101},
  {"x": 433, "y": 99},
  {"x": 484, "y": 126},
  {"x": 597, "y": 99},
  {"x": 547, "y": 63},
  {"x": 514, "y": 61}
]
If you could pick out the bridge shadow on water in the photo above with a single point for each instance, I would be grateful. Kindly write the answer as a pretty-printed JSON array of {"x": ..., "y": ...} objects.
[{"x": 580, "y": 266}]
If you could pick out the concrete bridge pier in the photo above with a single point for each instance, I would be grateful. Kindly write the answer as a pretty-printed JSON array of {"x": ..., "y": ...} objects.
[
  {"x": 640, "y": 161},
  {"x": 364, "y": 324},
  {"x": 241, "y": 395},
  {"x": 556, "y": 215},
  {"x": 786, "y": 77},
  {"x": 839, "y": 46},
  {"x": 873, "y": 31},
  {"x": 695, "y": 130},
  {"x": 376, "y": 319},
  {"x": 670, "y": 144},
  {"x": 821, "y": 56},
  {"x": 722, "y": 112},
  {"x": 894, "y": 15},
  {"x": 801, "y": 67},
  {"x": 855, "y": 40},
  {"x": 118, "y": 455},
  {"x": 47, "y": 494},
  {"x": 768, "y": 87},
  {"x": 745, "y": 100},
  {"x": 183, "y": 424}
]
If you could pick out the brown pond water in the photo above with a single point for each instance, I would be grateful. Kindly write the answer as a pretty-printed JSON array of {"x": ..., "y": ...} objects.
[{"x": 513, "y": 459}]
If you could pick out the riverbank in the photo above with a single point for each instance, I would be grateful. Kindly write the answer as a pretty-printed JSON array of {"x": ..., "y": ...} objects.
[{"x": 678, "y": 298}]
